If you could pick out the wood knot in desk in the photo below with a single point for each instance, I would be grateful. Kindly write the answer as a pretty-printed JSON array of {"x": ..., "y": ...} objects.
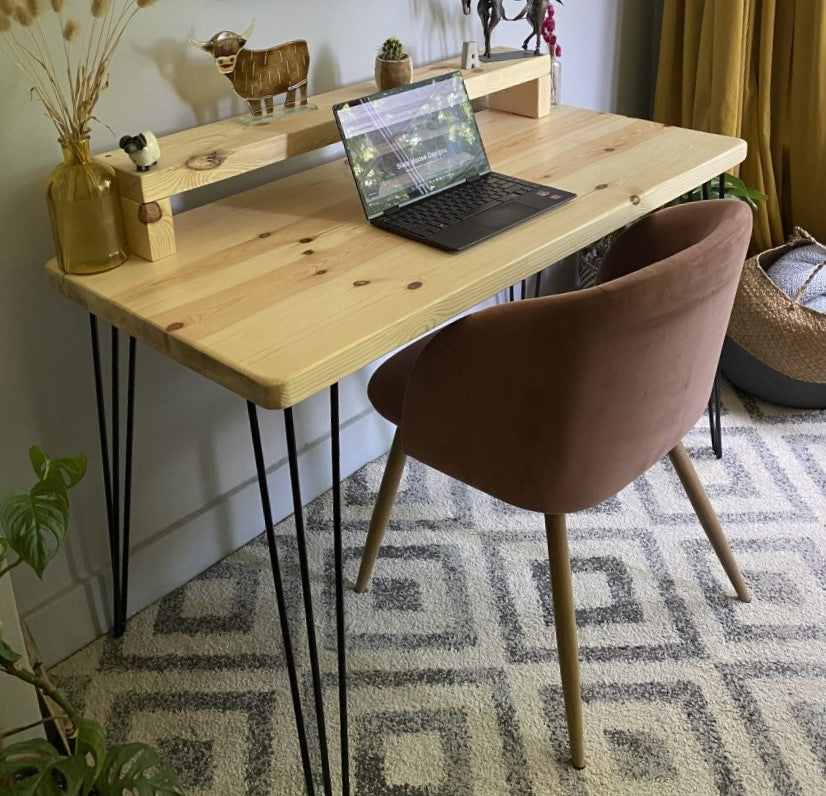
[
  {"x": 208, "y": 160},
  {"x": 635, "y": 200},
  {"x": 173, "y": 327},
  {"x": 150, "y": 213}
]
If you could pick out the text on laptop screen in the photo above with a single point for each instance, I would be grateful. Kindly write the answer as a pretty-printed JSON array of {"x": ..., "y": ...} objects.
[{"x": 411, "y": 141}]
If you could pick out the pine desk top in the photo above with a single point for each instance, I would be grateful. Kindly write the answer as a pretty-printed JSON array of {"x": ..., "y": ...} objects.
[{"x": 280, "y": 291}]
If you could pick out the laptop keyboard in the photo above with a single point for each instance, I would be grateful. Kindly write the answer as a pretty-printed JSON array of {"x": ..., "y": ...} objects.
[{"x": 456, "y": 204}]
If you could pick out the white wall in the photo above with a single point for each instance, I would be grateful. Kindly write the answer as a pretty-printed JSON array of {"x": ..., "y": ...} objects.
[{"x": 195, "y": 497}]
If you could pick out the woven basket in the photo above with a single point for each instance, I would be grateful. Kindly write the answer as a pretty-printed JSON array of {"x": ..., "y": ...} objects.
[{"x": 775, "y": 328}]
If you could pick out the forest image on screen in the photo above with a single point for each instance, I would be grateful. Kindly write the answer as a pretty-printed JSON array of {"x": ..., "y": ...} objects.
[{"x": 410, "y": 143}]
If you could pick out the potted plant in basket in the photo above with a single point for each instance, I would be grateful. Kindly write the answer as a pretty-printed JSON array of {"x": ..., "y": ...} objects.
[
  {"x": 34, "y": 528},
  {"x": 394, "y": 66}
]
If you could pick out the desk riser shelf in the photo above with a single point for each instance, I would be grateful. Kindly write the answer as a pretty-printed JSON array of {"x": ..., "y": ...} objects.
[{"x": 215, "y": 152}]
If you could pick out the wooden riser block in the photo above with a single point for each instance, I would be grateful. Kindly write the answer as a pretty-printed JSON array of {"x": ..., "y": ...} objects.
[
  {"x": 150, "y": 229},
  {"x": 532, "y": 99}
]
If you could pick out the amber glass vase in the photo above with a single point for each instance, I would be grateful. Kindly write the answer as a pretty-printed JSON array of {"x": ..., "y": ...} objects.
[{"x": 84, "y": 209}]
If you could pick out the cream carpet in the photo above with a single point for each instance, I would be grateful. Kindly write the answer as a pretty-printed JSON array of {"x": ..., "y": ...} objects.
[{"x": 453, "y": 674}]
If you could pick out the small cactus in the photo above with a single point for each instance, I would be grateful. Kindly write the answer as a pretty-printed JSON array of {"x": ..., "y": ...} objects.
[{"x": 392, "y": 50}]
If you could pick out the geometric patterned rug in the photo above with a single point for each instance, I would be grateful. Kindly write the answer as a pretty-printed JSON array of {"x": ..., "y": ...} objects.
[{"x": 454, "y": 685}]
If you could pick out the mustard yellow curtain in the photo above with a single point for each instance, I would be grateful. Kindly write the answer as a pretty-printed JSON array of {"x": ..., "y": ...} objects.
[{"x": 755, "y": 69}]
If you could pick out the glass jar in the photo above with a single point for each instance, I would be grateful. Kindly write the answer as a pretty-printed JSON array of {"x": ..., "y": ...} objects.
[
  {"x": 85, "y": 212},
  {"x": 556, "y": 81}
]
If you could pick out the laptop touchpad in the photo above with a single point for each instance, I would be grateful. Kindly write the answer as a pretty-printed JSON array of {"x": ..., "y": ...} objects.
[{"x": 503, "y": 216}]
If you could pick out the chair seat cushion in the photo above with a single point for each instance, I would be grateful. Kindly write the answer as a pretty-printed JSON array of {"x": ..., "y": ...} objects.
[{"x": 388, "y": 383}]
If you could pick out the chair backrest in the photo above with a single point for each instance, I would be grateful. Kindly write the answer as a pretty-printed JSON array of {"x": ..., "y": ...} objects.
[{"x": 556, "y": 404}]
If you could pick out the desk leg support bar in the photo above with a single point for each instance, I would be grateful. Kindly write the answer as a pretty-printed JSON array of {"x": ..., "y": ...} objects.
[
  {"x": 279, "y": 597},
  {"x": 111, "y": 459}
]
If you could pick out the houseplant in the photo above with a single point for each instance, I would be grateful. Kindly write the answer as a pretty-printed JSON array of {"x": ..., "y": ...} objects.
[
  {"x": 34, "y": 526},
  {"x": 394, "y": 66},
  {"x": 65, "y": 62}
]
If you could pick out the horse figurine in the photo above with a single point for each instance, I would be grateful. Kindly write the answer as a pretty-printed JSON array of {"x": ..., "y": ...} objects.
[
  {"x": 490, "y": 12},
  {"x": 534, "y": 11}
]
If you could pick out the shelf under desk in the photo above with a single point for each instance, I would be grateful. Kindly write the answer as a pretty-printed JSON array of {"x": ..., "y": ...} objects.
[{"x": 280, "y": 291}]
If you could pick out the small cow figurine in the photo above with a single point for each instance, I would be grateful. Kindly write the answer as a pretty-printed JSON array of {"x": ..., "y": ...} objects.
[
  {"x": 143, "y": 149},
  {"x": 259, "y": 75}
]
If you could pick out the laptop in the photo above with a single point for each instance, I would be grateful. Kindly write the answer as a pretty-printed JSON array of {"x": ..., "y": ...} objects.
[{"x": 421, "y": 169}]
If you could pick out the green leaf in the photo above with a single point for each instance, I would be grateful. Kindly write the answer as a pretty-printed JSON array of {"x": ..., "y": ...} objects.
[
  {"x": 35, "y": 524},
  {"x": 35, "y": 768},
  {"x": 69, "y": 470},
  {"x": 39, "y": 460},
  {"x": 7, "y": 654},
  {"x": 734, "y": 186},
  {"x": 90, "y": 745},
  {"x": 134, "y": 768}
]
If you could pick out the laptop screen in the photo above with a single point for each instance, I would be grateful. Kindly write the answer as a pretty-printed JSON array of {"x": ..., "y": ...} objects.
[{"x": 411, "y": 141}]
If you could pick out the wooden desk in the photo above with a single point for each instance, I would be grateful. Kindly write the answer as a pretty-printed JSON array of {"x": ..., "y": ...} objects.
[
  {"x": 281, "y": 291},
  {"x": 278, "y": 292}
]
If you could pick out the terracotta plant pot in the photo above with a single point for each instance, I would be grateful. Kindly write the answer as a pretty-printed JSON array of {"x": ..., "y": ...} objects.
[{"x": 390, "y": 74}]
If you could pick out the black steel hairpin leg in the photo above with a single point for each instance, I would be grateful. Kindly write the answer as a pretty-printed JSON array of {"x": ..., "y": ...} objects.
[
  {"x": 338, "y": 565},
  {"x": 279, "y": 596},
  {"x": 510, "y": 293},
  {"x": 538, "y": 284},
  {"x": 714, "y": 417},
  {"x": 118, "y": 524},
  {"x": 714, "y": 409},
  {"x": 298, "y": 512}
]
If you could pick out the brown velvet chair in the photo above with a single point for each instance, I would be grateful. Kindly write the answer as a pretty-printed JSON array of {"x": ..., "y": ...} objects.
[{"x": 619, "y": 373}]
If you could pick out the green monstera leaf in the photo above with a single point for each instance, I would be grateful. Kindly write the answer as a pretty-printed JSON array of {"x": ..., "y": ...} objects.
[
  {"x": 69, "y": 470},
  {"x": 35, "y": 523},
  {"x": 90, "y": 746},
  {"x": 36, "y": 768},
  {"x": 135, "y": 768}
]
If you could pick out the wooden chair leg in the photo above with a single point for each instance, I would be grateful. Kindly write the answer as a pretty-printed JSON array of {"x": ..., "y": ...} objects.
[
  {"x": 566, "y": 639},
  {"x": 708, "y": 518},
  {"x": 381, "y": 513}
]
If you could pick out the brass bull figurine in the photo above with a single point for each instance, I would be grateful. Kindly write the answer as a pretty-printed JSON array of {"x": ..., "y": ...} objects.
[{"x": 259, "y": 75}]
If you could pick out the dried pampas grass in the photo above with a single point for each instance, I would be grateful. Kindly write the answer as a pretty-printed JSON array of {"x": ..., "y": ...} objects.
[
  {"x": 70, "y": 84},
  {"x": 23, "y": 16}
]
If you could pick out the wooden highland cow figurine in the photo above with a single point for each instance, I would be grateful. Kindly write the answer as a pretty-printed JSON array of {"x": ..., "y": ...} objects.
[{"x": 259, "y": 75}]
